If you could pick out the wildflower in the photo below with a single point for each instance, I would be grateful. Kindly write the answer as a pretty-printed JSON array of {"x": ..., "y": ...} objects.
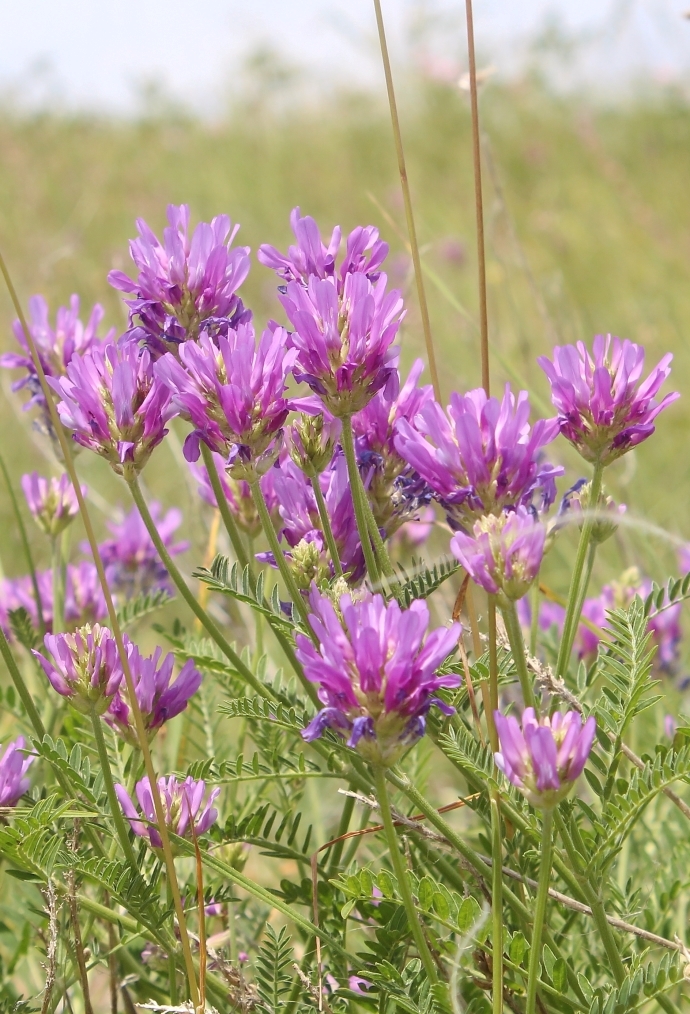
[
  {"x": 311, "y": 441},
  {"x": 182, "y": 806},
  {"x": 14, "y": 763},
  {"x": 504, "y": 554},
  {"x": 545, "y": 758},
  {"x": 114, "y": 404},
  {"x": 232, "y": 392},
  {"x": 481, "y": 456},
  {"x": 214, "y": 908},
  {"x": 310, "y": 257},
  {"x": 55, "y": 346},
  {"x": 577, "y": 500},
  {"x": 415, "y": 533},
  {"x": 158, "y": 699},
  {"x": 357, "y": 984},
  {"x": 84, "y": 599},
  {"x": 603, "y": 409},
  {"x": 377, "y": 678},
  {"x": 52, "y": 502},
  {"x": 183, "y": 282},
  {"x": 132, "y": 564},
  {"x": 238, "y": 495},
  {"x": 83, "y": 666}
]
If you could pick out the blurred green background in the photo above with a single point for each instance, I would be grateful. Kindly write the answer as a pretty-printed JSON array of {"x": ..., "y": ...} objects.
[{"x": 587, "y": 224}]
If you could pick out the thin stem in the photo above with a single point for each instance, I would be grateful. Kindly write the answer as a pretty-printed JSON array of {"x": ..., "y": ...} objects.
[
  {"x": 343, "y": 828},
  {"x": 578, "y": 587},
  {"x": 186, "y": 593},
  {"x": 534, "y": 619},
  {"x": 26, "y": 547},
  {"x": 496, "y": 908},
  {"x": 58, "y": 588},
  {"x": 540, "y": 910},
  {"x": 114, "y": 623},
  {"x": 404, "y": 183},
  {"x": 21, "y": 687},
  {"x": 115, "y": 808},
  {"x": 278, "y": 554},
  {"x": 478, "y": 201},
  {"x": 517, "y": 647},
  {"x": 79, "y": 946},
  {"x": 358, "y": 498},
  {"x": 221, "y": 500},
  {"x": 401, "y": 874},
  {"x": 172, "y": 967},
  {"x": 326, "y": 525}
]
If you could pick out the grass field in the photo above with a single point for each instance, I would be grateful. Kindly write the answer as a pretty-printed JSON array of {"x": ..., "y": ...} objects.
[{"x": 588, "y": 230}]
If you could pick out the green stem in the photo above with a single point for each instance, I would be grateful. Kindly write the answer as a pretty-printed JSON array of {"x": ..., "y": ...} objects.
[
  {"x": 279, "y": 555},
  {"x": 115, "y": 808},
  {"x": 517, "y": 647},
  {"x": 493, "y": 653},
  {"x": 578, "y": 587},
  {"x": 534, "y": 624},
  {"x": 58, "y": 587},
  {"x": 358, "y": 500},
  {"x": 343, "y": 827},
  {"x": 172, "y": 968},
  {"x": 21, "y": 687},
  {"x": 496, "y": 908},
  {"x": 382, "y": 557},
  {"x": 401, "y": 874},
  {"x": 181, "y": 585},
  {"x": 540, "y": 910},
  {"x": 222, "y": 503},
  {"x": 26, "y": 547},
  {"x": 326, "y": 525}
]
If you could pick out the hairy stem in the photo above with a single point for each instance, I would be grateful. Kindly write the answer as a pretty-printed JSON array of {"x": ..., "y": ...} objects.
[
  {"x": 496, "y": 909},
  {"x": 540, "y": 910},
  {"x": 115, "y": 808},
  {"x": 401, "y": 874},
  {"x": 326, "y": 525},
  {"x": 517, "y": 647},
  {"x": 578, "y": 586}
]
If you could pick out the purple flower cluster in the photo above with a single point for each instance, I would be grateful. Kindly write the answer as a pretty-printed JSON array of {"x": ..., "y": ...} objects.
[
  {"x": 481, "y": 456},
  {"x": 183, "y": 804},
  {"x": 55, "y": 346},
  {"x": 345, "y": 321},
  {"x": 504, "y": 553},
  {"x": 603, "y": 408},
  {"x": 114, "y": 405},
  {"x": 132, "y": 564},
  {"x": 52, "y": 502},
  {"x": 238, "y": 495},
  {"x": 159, "y": 700},
  {"x": 84, "y": 667},
  {"x": 14, "y": 763},
  {"x": 183, "y": 281},
  {"x": 545, "y": 758},
  {"x": 232, "y": 392},
  {"x": 376, "y": 670}
]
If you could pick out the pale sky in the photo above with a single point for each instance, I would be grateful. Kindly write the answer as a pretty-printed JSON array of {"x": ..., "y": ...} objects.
[{"x": 97, "y": 54}]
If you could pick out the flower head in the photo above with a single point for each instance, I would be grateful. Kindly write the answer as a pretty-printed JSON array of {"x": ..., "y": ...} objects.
[
  {"x": 504, "y": 553},
  {"x": 183, "y": 805},
  {"x": 52, "y": 502},
  {"x": 233, "y": 393},
  {"x": 377, "y": 674},
  {"x": 83, "y": 666},
  {"x": 603, "y": 409},
  {"x": 577, "y": 500},
  {"x": 114, "y": 404},
  {"x": 159, "y": 700},
  {"x": 545, "y": 758},
  {"x": 311, "y": 441},
  {"x": 14, "y": 763},
  {"x": 132, "y": 564},
  {"x": 183, "y": 281},
  {"x": 55, "y": 346},
  {"x": 482, "y": 455}
]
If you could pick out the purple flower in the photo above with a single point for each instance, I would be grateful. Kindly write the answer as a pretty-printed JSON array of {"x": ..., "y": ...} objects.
[
  {"x": 482, "y": 456},
  {"x": 214, "y": 908},
  {"x": 415, "y": 533},
  {"x": 14, "y": 763},
  {"x": 377, "y": 674},
  {"x": 504, "y": 554},
  {"x": 158, "y": 699},
  {"x": 83, "y": 666},
  {"x": 84, "y": 599},
  {"x": 603, "y": 409},
  {"x": 359, "y": 985},
  {"x": 232, "y": 392},
  {"x": 237, "y": 494},
  {"x": 55, "y": 346},
  {"x": 182, "y": 805},
  {"x": 310, "y": 257},
  {"x": 52, "y": 502},
  {"x": 132, "y": 564},
  {"x": 546, "y": 757},
  {"x": 114, "y": 404},
  {"x": 183, "y": 282}
]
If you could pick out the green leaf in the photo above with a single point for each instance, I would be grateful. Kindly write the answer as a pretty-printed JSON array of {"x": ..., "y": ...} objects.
[
  {"x": 559, "y": 975},
  {"x": 386, "y": 884},
  {"x": 518, "y": 948},
  {"x": 142, "y": 605},
  {"x": 425, "y": 893},
  {"x": 440, "y": 905}
]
